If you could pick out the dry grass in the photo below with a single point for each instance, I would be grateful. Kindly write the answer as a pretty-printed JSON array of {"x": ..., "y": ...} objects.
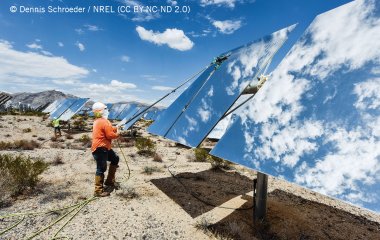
[
  {"x": 19, "y": 145},
  {"x": 157, "y": 157},
  {"x": 149, "y": 170},
  {"x": 57, "y": 160},
  {"x": 69, "y": 136},
  {"x": 127, "y": 192},
  {"x": 27, "y": 130}
]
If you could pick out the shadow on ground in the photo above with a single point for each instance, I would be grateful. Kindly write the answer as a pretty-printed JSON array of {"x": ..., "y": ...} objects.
[
  {"x": 292, "y": 217},
  {"x": 288, "y": 216},
  {"x": 212, "y": 186}
]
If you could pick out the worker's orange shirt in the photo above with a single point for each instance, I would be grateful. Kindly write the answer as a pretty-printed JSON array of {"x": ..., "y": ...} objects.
[{"x": 102, "y": 134}]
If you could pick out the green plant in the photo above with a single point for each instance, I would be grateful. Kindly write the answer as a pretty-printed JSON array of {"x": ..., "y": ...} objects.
[
  {"x": 85, "y": 140},
  {"x": 27, "y": 130},
  {"x": 22, "y": 172},
  {"x": 201, "y": 155},
  {"x": 145, "y": 146},
  {"x": 79, "y": 123}
]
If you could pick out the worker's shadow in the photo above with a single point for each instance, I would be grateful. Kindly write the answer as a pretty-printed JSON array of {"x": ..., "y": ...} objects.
[{"x": 200, "y": 192}]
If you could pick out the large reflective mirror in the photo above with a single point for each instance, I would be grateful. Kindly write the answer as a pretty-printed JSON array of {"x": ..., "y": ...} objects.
[
  {"x": 73, "y": 109},
  {"x": 225, "y": 85},
  {"x": 316, "y": 122}
]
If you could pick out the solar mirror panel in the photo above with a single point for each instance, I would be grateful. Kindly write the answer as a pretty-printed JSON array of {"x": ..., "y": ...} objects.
[
  {"x": 116, "y": 110},
  {"x": 316, "y": 121},
  {"x": 126, "y": 111},
  {"x": 5, "y": 99},
  {"x": 62, "y": 108},
  {"x": 224, "y": 87},
  {"x": 134, "y": 118},
  {"x": 73, "y": 109},
  {"x": 163, "y": 124},
  {"x": 54, "y": 105}
]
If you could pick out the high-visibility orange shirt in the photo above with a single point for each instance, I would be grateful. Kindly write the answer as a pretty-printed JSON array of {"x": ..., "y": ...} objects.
[{"x": 102, "y": 134}]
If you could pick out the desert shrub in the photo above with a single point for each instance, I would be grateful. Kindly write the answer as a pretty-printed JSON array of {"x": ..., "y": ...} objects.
[
  {"x": 27, "y": 130},
  {"x": 26, "y": 145},
  {"x": 149, "y": 170},
  {"x": 7, "y": 135},
  {"x": 19, "y": 144},
  {"x": 157, "y": 157},
  {"x": 57, "y": 145},
  {"x": 218, "y": 163},
  {"x": 145, "y": 146},
  {"x": 22, "y": 172},
  {"x": 79, "y": 123},
  {"x": 127, "y": 192},
  {"x": 127, "y": 142},
  {"x": 57, "y": 160},
  {"x": 203, "y": 224},
  {"x": 34, "y": 135},
  {"x": 41, "y": 139},
  {"x": 85, "y": 140},
  {"x": 201, "y": 155},
  {"x": 69, "y": 136}
]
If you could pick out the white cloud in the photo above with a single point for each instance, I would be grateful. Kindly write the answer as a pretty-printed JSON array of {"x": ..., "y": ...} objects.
[
  {"x": 227, "y": 3},
  {"x": 244, "y": 62},
  {"x": 34, "y": 46},
  {"x": 125, "y": 58},
  {"x": 174, "y": 38},
  {"x": 80, "y": 46},
  {"x": 122, "y": 85},
  {"x": 351, "y": 49},
  {"x": 347, "y": 161},
  {"x": 368, "y": 94},
  {"x": 162, "y": 88},
  {"x": 221, "y": 128},
  {"x": 79, "y": 31},
  {"x": 60, "y": 44},
  {"x": 30, "y": 66},
  {"x": 172, "y": 2},
  {"x": 227, "y": 26},
  {"x": 92, "y": 28}
]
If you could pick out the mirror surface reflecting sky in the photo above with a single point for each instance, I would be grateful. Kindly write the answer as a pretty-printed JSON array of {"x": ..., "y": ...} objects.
[
  {"x": 62, "y": 107},
  {"x": 316, "y": 122},
  {"x": 73, "y": 109},
  {"x": 216, "y": 90}
]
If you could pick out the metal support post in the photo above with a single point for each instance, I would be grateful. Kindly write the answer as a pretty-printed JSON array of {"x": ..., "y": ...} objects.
[{"x": 260, "y": 199}]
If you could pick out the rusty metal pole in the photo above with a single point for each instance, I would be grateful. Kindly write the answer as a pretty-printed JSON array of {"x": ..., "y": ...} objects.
[{"x": 261, "y": 197}]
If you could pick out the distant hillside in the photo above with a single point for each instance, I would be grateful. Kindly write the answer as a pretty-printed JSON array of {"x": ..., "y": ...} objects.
[{"x": 38, "y": 99}]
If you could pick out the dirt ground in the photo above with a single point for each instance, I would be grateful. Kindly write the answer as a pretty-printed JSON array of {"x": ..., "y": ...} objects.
[{"x": 198, "y": 203}]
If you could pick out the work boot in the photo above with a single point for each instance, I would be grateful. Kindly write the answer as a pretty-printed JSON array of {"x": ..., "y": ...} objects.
[
  {"x": 99, "y": 191},
  {"x": 110, "y": 182}
]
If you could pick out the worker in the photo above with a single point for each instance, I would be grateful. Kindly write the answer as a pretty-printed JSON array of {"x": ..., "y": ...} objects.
[
  {"x": 102, "y": 134},
  {"x": 57, "y": 127}
]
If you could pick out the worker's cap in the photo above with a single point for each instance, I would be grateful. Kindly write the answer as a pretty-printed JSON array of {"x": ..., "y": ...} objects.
[{"x": 98, "y": 107}]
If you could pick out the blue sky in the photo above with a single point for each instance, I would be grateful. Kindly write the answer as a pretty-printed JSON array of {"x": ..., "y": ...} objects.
[{"x": 114, "y": 57}]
